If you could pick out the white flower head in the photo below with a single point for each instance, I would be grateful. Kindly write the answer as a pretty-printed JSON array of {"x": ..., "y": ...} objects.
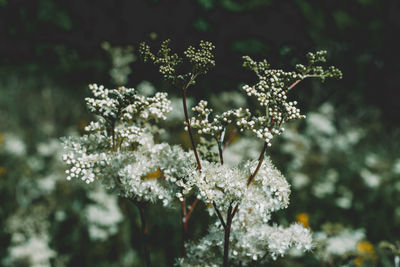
[{"x": 219, "y": 184}]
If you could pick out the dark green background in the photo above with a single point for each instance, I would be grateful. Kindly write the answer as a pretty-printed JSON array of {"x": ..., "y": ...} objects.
[{"x": 62, "y": 38}]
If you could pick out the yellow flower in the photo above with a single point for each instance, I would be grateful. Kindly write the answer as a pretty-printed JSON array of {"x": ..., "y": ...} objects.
[
  {"x": 365, "y": 247},
  {"x": 303, "y": 219},
  {"x": 366, "y": 252},
  {"x": 358, "y": 261},
  {"x": 82, "y": 124},
  {"x": 154, "y": 175},
  {"x": 2, "y": 171}
]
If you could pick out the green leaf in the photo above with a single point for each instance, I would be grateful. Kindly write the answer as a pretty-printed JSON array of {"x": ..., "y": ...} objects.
[
  {"x": 249, "y": 46},
  {"x": 342, "y": 19},
  {"x": 206, "y": 4},
  {"x": 201, "y": 25},
  {"x": 48, "y": 11}
]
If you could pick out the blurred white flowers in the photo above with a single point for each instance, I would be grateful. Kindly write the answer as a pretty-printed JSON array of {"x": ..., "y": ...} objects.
[{"x": 103, "y": 215}]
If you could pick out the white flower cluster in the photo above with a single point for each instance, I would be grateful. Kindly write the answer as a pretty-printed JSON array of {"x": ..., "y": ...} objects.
[
  {"x": 262, "y": 241},
  {"x": 204, "y": 252},
  {"x": 30, "y": 240},
  {"x": 268, "y": 192},
  {"x": 257, "y": 244},
  {"x": 218, "y": 184},
  {"x": 35, "y": 251},
  {"x": 13, "y": 145},
  {"x": 121, "y": 58},
  {"x": 146, "y": 174},
  {"x": 202, "y": 58},
  {"x": 252, "y": 238},
  {"x": 125, "y": 104},
  {"x": 152, "y": 172},
  {"x": 217, "y": 126},
  {"x": 119, "y": 150},
  {"x": 338, "y": 244},
  {"x": 103, "y": 215},
  {"x": 270, "y": 93}
]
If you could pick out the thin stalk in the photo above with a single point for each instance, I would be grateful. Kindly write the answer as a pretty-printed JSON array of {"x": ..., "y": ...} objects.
[
  {"x": 194, "y": 203},
  {"x": 235, "y": 210},
  {"x": 190, "y": 129},
  {"x": 219, "y": 215},
  {"x": 262, "y": 154},
  {"x": 221, "y": 157},
  {"x": 227, "y": 229},
  {"x": 230, "y": 138},
  {"x": 185, "y": 222},
  {"x": 295, "y": 83},
  {"x": 184, "y": 228},
  {"x": 260, "y": 161},
  {"x": 231, "y": 213},
  {"x": 185, "y": 110},
  {"x": 113, "y": 135},
  {"x": 145, "y": 238},
  {"x": 187, "y": 216}
]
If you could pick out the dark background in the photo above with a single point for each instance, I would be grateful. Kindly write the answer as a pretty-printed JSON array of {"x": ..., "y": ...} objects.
[{"x": 62, "y": 39}]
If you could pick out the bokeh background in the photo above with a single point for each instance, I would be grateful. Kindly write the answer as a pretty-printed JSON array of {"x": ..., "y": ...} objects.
[{"x": 343, "y": 161}]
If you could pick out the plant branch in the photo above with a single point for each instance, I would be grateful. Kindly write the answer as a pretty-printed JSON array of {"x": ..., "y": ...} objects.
[
  {"x": 227, "y": 229},
  {"x": 187, "y": 217},
  {"x": 231, "y": 213},
  {"x": 295, "y": 83},
  {"x": 262, "y": 154},
  {"x": 219, "y": 215},
  {"x": 190, "y": 128},
  {"x": 221, "y": 157},
  {"x": 185, "y": 221},
  {"x": 260, "y": 161},
  {"x": 235, "y": 210},
  {"x": 230, "y": 138},
  {"x": 145, "y": 238},
  {"x": 185, "y": 214},
  {"x": 184, "y": 228}
]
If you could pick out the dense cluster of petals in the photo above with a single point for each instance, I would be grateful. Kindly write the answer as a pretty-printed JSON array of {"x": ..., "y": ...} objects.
[
  {"x": 125, "y": 104},
  {"x": 216, "y": 183},
  {"x": 118, "y": 147},
  {"x": 252, "y": 238}
]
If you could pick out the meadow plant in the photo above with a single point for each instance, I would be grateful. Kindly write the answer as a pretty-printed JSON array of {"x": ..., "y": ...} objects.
[{"x": 120, "y": 149}]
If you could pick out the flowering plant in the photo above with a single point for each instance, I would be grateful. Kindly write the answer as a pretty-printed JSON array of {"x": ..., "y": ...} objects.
[{"x": 120, "y": 150}]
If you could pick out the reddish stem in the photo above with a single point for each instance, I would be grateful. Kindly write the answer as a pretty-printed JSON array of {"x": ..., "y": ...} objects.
[
  {"x": 191, "y": 209},
  {"x": 293, "y": 85},
  {"x": 260, "y": 161},
  {"x": 230, "y": 138},
  {"x": 231, "y": 213},
  {"x": 185, "y": 110},
  {"x": 185, "y": 222},
  {"x": 184, "y": 215}
]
